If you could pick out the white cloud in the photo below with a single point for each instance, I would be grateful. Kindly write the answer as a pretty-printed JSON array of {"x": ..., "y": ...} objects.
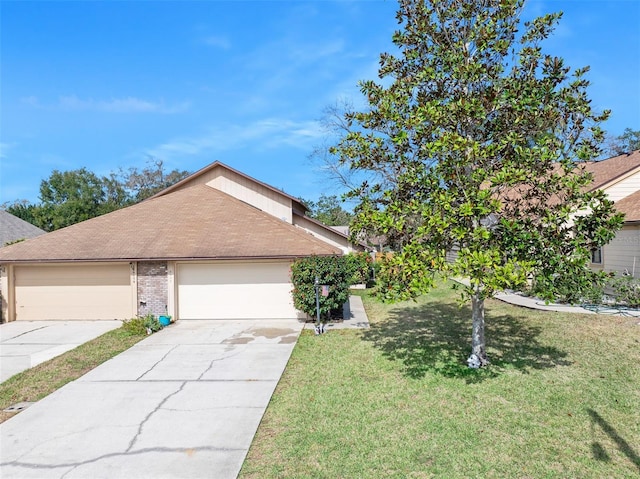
[
  {"x": 4, "y": 148},
  {"x": 120, "y": 105},
  {"x": 31, "y": 101},
  {"x": 113, "y": 105},
  {"x": 217, "y": 41},
  {"x": 267, "y": 133}
]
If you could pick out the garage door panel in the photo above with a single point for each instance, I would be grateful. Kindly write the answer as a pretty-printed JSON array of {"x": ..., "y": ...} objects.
[
  {"x": 235, "y": 291},
  {"x": 73, "y": 276},
  {"x": 73, "y": 292}
]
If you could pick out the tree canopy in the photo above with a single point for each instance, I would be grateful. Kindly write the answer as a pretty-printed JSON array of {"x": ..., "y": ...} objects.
[
  {"x": 328, "y": 210},
  {"x": 628, "y": 142},
  {"x": 472, "y": 143},
  {"x": 68, "y": 197}
]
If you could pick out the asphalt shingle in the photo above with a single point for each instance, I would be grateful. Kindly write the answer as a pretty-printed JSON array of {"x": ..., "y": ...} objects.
[{"x": 198, "y": 222}]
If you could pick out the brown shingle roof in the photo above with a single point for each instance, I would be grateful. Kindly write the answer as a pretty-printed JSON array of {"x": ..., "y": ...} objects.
[
  {"x": 613, "y": 168},
  {"x": 199, "y": 222},
  {"x": 630, "y": 206}
]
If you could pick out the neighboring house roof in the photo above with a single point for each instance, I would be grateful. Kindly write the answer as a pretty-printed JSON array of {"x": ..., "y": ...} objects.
[
  {"x": 198, "y": 222},
  {"x": 613, "y": 169},
  {"x": 13, "y": 228},
  {"x": 630, "y": 206}
]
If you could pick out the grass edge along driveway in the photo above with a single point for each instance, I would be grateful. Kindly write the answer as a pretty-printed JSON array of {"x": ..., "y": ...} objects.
[
  {"x": 35, "y": 383},
  {"x": 560, "y": 398}
]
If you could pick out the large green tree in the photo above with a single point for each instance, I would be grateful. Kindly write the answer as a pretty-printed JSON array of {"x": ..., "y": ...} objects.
[
  {"x": 143, "y": 183},
  {"x": 328, "y": 210},
  {"x": 626, "y": 143},
  {"x": 472, "y": 142},
  {"x": 68, "y": 197}
]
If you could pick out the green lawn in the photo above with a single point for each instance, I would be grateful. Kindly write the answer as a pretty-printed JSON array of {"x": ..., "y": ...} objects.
[
  {"x": 35, "y": 383},
  {"x": 560, "y": 400}
]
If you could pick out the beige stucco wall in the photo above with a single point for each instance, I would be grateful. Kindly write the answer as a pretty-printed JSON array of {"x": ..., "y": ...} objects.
[{"x": 6, "y": 293}]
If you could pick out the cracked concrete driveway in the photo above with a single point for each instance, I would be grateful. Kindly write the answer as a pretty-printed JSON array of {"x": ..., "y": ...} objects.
[
  {"x": 183, "y": 403},
  {"x": 25, "y": 344}
]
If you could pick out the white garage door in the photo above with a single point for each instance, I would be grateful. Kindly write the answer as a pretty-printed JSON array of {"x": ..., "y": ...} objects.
[
  {"x": 73, "y": 292},
  {"x": 234, "y": 291}
]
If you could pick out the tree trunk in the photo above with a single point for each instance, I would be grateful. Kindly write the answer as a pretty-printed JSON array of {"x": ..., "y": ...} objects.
[{"x": 478, "y": 357}]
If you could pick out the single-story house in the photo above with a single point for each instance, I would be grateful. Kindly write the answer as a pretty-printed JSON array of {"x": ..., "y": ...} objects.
[
  {"x": 14, "y": 229},
  {"x": 218, "y": 244},
  {"x": 619, "y": 178}
]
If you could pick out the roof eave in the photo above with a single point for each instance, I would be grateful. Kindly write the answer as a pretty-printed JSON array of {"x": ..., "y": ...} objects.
[{"x": 167, "y": 258}]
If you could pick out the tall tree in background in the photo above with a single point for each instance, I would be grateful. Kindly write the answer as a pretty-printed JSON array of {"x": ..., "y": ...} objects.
[
  {"x": 626, "y": 143},
  {"x": 72, "y": 196},
  {"x": 142, "y": 184},
  {"x": 473, "y": 142},
  {"x": 328, "y": 210}
]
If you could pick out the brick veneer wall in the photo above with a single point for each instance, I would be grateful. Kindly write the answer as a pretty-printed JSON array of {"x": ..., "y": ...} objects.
[{"x": 153, "y": 288}]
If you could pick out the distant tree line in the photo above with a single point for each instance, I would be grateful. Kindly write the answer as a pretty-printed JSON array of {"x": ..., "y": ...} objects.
[
  {"x": 68, "y": 197},
  {"x": 626, "y": 143},
  {"x": 328, "y": 210}
]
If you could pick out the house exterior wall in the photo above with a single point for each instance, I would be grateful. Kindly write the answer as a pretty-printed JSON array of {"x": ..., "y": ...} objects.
[
  {"x": 622, "y": 254},
  {"x": 6, "y": 294},
  {"x": 623, "y": 188},
  {"x": 153, "y": 288},
  {"x": 251, "y": 192},
  {"x": 324, "y": 233}
]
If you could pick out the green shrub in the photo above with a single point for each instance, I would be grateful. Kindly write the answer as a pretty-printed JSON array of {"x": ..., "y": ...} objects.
[
  {"x": 573, "y": 283},
  {"x": 152, "y": 323},
  {"x": 626, "y": 290},
  {"x": 331, "y": 271},
  {"x": 134, "y": 326},
  {"x": 142, "y": 325},
  {"x": 360, "y": 267}
]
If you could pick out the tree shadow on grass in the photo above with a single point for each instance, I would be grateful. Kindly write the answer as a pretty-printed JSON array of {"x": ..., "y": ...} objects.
[{"x": 436, "y": 337}]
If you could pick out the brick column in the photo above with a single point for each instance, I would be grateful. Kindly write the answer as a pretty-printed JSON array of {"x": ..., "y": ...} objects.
[{"x": 152, "y": 288}]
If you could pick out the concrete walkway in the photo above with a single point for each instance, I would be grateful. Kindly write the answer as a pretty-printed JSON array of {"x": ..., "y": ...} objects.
[
  {"x": 355, "y": 317},
  {"x": 537, "y": 303},
  {"x": 518, "y": 299},
  {"x": 25, "y": 344},
  {"x": 183, "y": 403}
]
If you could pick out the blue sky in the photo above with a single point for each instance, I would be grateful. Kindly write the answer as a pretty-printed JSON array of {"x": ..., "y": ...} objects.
[{"x": 108, "y": 84}]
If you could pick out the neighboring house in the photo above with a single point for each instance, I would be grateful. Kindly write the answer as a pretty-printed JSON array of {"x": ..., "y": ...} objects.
[
  {"x": 218, "y": 244},
  {"x": 619, "y": 178},
  {"x": 14, "y": 229}
]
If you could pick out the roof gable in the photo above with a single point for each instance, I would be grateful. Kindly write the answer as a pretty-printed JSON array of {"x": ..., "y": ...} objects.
[
  {"x": 198, "y": 222},
  {"x": 612, "y": 170},
  {"x": 214, "y": 170}
]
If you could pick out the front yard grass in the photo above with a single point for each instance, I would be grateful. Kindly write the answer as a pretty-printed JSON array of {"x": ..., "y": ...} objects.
[
  {"x": 35, "y": 383},
  {"x": 561, "y": 398}
]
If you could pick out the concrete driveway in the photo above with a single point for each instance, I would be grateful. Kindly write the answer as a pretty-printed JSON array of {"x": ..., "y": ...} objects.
[
  {"x": 183, "y": 403},
  {"x": 24, "y": 344}
]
